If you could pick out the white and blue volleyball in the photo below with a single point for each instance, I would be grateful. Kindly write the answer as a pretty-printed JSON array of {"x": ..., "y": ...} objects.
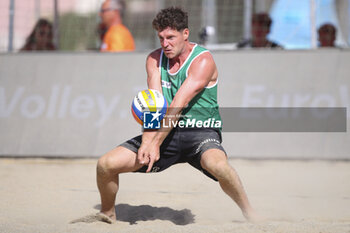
[{"x": 148, "y": 101}]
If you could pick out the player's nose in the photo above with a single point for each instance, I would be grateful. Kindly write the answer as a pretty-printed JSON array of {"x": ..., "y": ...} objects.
[{"x": 165, "y": 43}]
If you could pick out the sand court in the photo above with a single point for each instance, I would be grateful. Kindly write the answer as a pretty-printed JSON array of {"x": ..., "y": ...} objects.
[{"x": 46, "y": 195}]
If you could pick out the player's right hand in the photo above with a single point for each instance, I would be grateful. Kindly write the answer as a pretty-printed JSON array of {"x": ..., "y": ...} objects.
[{"x": 142, "y": 158}]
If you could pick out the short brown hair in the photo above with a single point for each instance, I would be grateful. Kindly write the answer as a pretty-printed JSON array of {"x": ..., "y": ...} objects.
[{"x": 173, "y": 17}]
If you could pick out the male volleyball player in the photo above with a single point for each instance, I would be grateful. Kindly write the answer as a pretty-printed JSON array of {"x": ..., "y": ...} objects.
[{"x": 187, "y": 76}]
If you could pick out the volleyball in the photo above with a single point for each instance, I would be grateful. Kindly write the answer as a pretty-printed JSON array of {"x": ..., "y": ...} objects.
[{"x": 148, "y": 100}]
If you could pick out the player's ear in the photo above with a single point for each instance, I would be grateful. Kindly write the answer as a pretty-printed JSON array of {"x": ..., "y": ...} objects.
[{"x": 186, "y": 33}]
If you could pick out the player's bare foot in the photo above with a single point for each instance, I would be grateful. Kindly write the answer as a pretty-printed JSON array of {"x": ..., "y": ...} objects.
[
  {"x": 253, "y": 217},
  {"x": 99, "y": 217},
  {"x": 107, "y": 218}
]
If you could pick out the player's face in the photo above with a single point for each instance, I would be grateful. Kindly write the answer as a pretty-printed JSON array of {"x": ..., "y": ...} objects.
[{"x": 173, "y": 41}]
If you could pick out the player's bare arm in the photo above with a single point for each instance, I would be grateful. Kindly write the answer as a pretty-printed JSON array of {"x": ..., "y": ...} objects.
[
  {"x": 153, "y": 82},
  {"x": 152, "y": 69}
]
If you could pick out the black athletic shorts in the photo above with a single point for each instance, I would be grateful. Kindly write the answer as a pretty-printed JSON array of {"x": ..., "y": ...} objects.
[{"x": 182, "y": 145}]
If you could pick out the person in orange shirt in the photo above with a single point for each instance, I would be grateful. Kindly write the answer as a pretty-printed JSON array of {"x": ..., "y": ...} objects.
[{"x": 117, "y": 38}]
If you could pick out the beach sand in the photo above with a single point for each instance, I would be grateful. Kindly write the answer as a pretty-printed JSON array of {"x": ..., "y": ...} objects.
[{"x": 46, "y": 195}]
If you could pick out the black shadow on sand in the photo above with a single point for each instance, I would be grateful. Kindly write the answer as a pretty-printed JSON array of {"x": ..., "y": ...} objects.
[{"x": 132, "y": 214}]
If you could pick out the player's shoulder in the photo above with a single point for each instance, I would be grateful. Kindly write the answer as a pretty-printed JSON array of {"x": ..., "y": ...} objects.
[
  {"x": 155, "y": 53},
  {"x": 154, "y": 56},
  {"x": 204, "y": 55},
  {"x": 202, "y": 61}
]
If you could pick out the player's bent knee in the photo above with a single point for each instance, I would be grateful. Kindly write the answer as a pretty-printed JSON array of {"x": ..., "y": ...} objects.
[
  {"x": 107, "y": 165},
  {"x": 119, "y": 160},
  {"x": 102, "y": 166},
  {"x": 213, "y": 158},
  {"x": 219, "y": 168}
]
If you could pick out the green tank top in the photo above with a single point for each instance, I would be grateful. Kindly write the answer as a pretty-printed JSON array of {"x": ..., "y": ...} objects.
[{"x": 203, "y": 109}]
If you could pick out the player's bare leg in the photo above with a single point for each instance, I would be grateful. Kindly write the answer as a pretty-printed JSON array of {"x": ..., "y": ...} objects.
[
  {"x": 109, "y": 166},
  {"x": 215, "y": 162}
]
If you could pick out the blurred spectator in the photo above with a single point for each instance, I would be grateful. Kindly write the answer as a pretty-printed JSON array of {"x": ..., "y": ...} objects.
[
  {"x": 261, "y": 23},
  {"x": 117, "y": 38},
  {"x": 327, "y": 35},
  {"x": 205, "y": 33},
  {"x": 41, "y": 37}
]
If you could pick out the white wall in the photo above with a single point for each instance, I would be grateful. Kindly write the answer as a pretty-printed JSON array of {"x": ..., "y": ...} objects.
[{"x": 79, "y": 104}]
